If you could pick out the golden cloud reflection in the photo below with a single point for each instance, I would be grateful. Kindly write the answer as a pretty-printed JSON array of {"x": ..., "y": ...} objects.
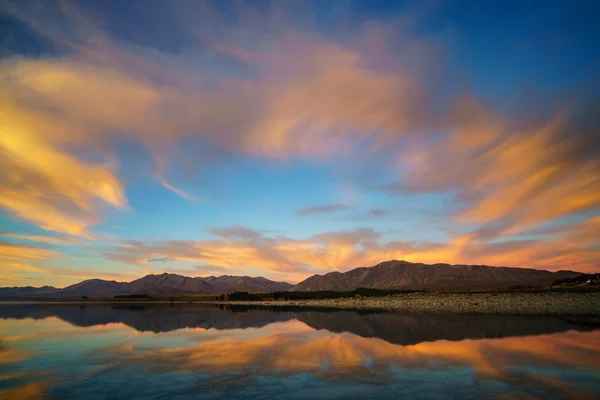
[
  {"x": 236, "y": 358},
  {"x": 31, "y": 391},
  {"x": 291, "y": 352}
]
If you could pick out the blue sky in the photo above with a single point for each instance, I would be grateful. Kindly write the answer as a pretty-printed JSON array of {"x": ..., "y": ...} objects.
[{"x": 286, "y": 139}]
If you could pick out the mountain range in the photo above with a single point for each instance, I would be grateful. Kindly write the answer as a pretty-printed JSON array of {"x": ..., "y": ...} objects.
[
  {"x": 405, "y": 275},
  {"x": 387, "y": 275},
  {"x": 163, "y": 284}
]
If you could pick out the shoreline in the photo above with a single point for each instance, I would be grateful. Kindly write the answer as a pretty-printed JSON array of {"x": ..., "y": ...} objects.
[
  {"x": 568, "y": 304},
  {"x": 541, "y": 303}
]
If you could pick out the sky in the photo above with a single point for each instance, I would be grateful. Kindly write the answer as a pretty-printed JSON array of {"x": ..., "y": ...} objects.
[{"x": 286, "y": 139}]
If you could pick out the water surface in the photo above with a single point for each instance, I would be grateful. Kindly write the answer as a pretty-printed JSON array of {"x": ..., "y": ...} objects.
[{"x": 60, "y": 351}]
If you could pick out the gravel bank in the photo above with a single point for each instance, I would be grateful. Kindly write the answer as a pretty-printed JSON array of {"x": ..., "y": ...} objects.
[{"x": 491, "y": 303}]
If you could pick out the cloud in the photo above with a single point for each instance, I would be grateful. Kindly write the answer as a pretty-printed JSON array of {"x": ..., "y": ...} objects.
[
  {"x": 371, "y": 214},
  {"x": 178, "y": 191},
  {"x": 294, "y": 95},
  {"x": 11, "y": 252},
  {"x": 351, "y": 237},
  {"x": 377, "y": 212},
  {"x": 323, "y": 209},
  {"x": 512, "y": 178},
  {"x": 20, "y": 262},
  {"x": 16, "y": 269},
  {"x": 203, "y": 270},
  {"x": 62, "y": 240},
  {"x": 49, "y": 188},
  {"x": 241, "y": 250},
  {"x": 236, "y": 232}
]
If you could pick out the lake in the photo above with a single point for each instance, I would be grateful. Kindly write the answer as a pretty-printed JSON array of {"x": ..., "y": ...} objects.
[{"x": 142, "y": 351}]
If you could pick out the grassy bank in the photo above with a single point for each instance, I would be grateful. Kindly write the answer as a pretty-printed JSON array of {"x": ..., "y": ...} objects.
[{"x": 554, "y": 303}]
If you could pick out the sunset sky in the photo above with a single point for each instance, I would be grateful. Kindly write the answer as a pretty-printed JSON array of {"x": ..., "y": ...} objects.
[{"x": 287, "y": 138}]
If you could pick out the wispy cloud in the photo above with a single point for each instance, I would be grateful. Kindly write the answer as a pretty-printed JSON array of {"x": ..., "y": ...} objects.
[
  {"x": 58, "y": 239},
  {"x": 512, "y": 179},
  {"x": 12, "y": 252},
  {"x": 178, "y": 191},
  {"x": 322, "y": 209},
  {"x": 371, "y": 214},
  {"x": 296, "y": 95},
  {"x": 236, "y": 232},
  {"x": 203, "y": 270}
]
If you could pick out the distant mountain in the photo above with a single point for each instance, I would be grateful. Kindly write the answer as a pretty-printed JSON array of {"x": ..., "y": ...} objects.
[
  {"x": 227, "y": 283},
  {"x": 26, "y": 290},
  {"x": 178, "y": 284},
  {"x": 165, "y": 284},
  {"x": 169, "y": 284},
  {"x": 94, "y": 287},
  {"x": 402, "y": 274}
]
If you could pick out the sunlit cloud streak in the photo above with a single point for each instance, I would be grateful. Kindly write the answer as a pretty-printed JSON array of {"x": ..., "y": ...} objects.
[
  {"x": 22, "y": 252},
  {"x": 18, "y": 261},
  {"x": 63, "y": 240},
  {"x": 513, "y": 178},
  {"x": 178, "y": 191}
]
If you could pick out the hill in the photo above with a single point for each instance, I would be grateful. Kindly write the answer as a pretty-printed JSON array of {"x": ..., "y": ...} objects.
[
  {"x": 405, "y": 275},
  {"x": 165, "y": 284}
]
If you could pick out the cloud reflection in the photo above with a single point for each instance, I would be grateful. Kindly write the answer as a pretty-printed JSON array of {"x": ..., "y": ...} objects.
[{"x": 236, "y": 359}]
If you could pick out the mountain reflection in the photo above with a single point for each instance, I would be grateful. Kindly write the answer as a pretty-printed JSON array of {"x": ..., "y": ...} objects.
[
  {"x": 201, "y": 352},
  {"x": 146, "y": 318},
  {"x": 394, "y": 327}
]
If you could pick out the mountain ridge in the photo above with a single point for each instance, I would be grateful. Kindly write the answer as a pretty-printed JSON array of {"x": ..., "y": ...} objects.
[
  {"x": 153, "y": 284},
  {"x": 395, "y": 274}
]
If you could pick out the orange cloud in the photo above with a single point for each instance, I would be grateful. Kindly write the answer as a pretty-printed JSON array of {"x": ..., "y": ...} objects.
[
  {"x": 43, "y": 239},
  {"x": 513, "y": 178},
  {"x": 20, "y": 261},
  {"x": 11, "y": 252},
  {"x": 44, "y": 185},
  {"x": 16, "y": 259},
  {"x": 310, "y": 98}
]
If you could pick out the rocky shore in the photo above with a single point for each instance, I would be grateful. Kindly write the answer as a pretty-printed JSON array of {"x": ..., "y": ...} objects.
[{"x": 551, "y": 303}]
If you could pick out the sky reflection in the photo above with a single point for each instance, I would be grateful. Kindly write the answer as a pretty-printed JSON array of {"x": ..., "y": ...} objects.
[{"x": 51, "y": 358}]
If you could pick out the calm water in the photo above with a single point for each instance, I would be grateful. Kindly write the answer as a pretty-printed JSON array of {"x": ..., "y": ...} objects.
[{"x": 194, "y": 352}]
